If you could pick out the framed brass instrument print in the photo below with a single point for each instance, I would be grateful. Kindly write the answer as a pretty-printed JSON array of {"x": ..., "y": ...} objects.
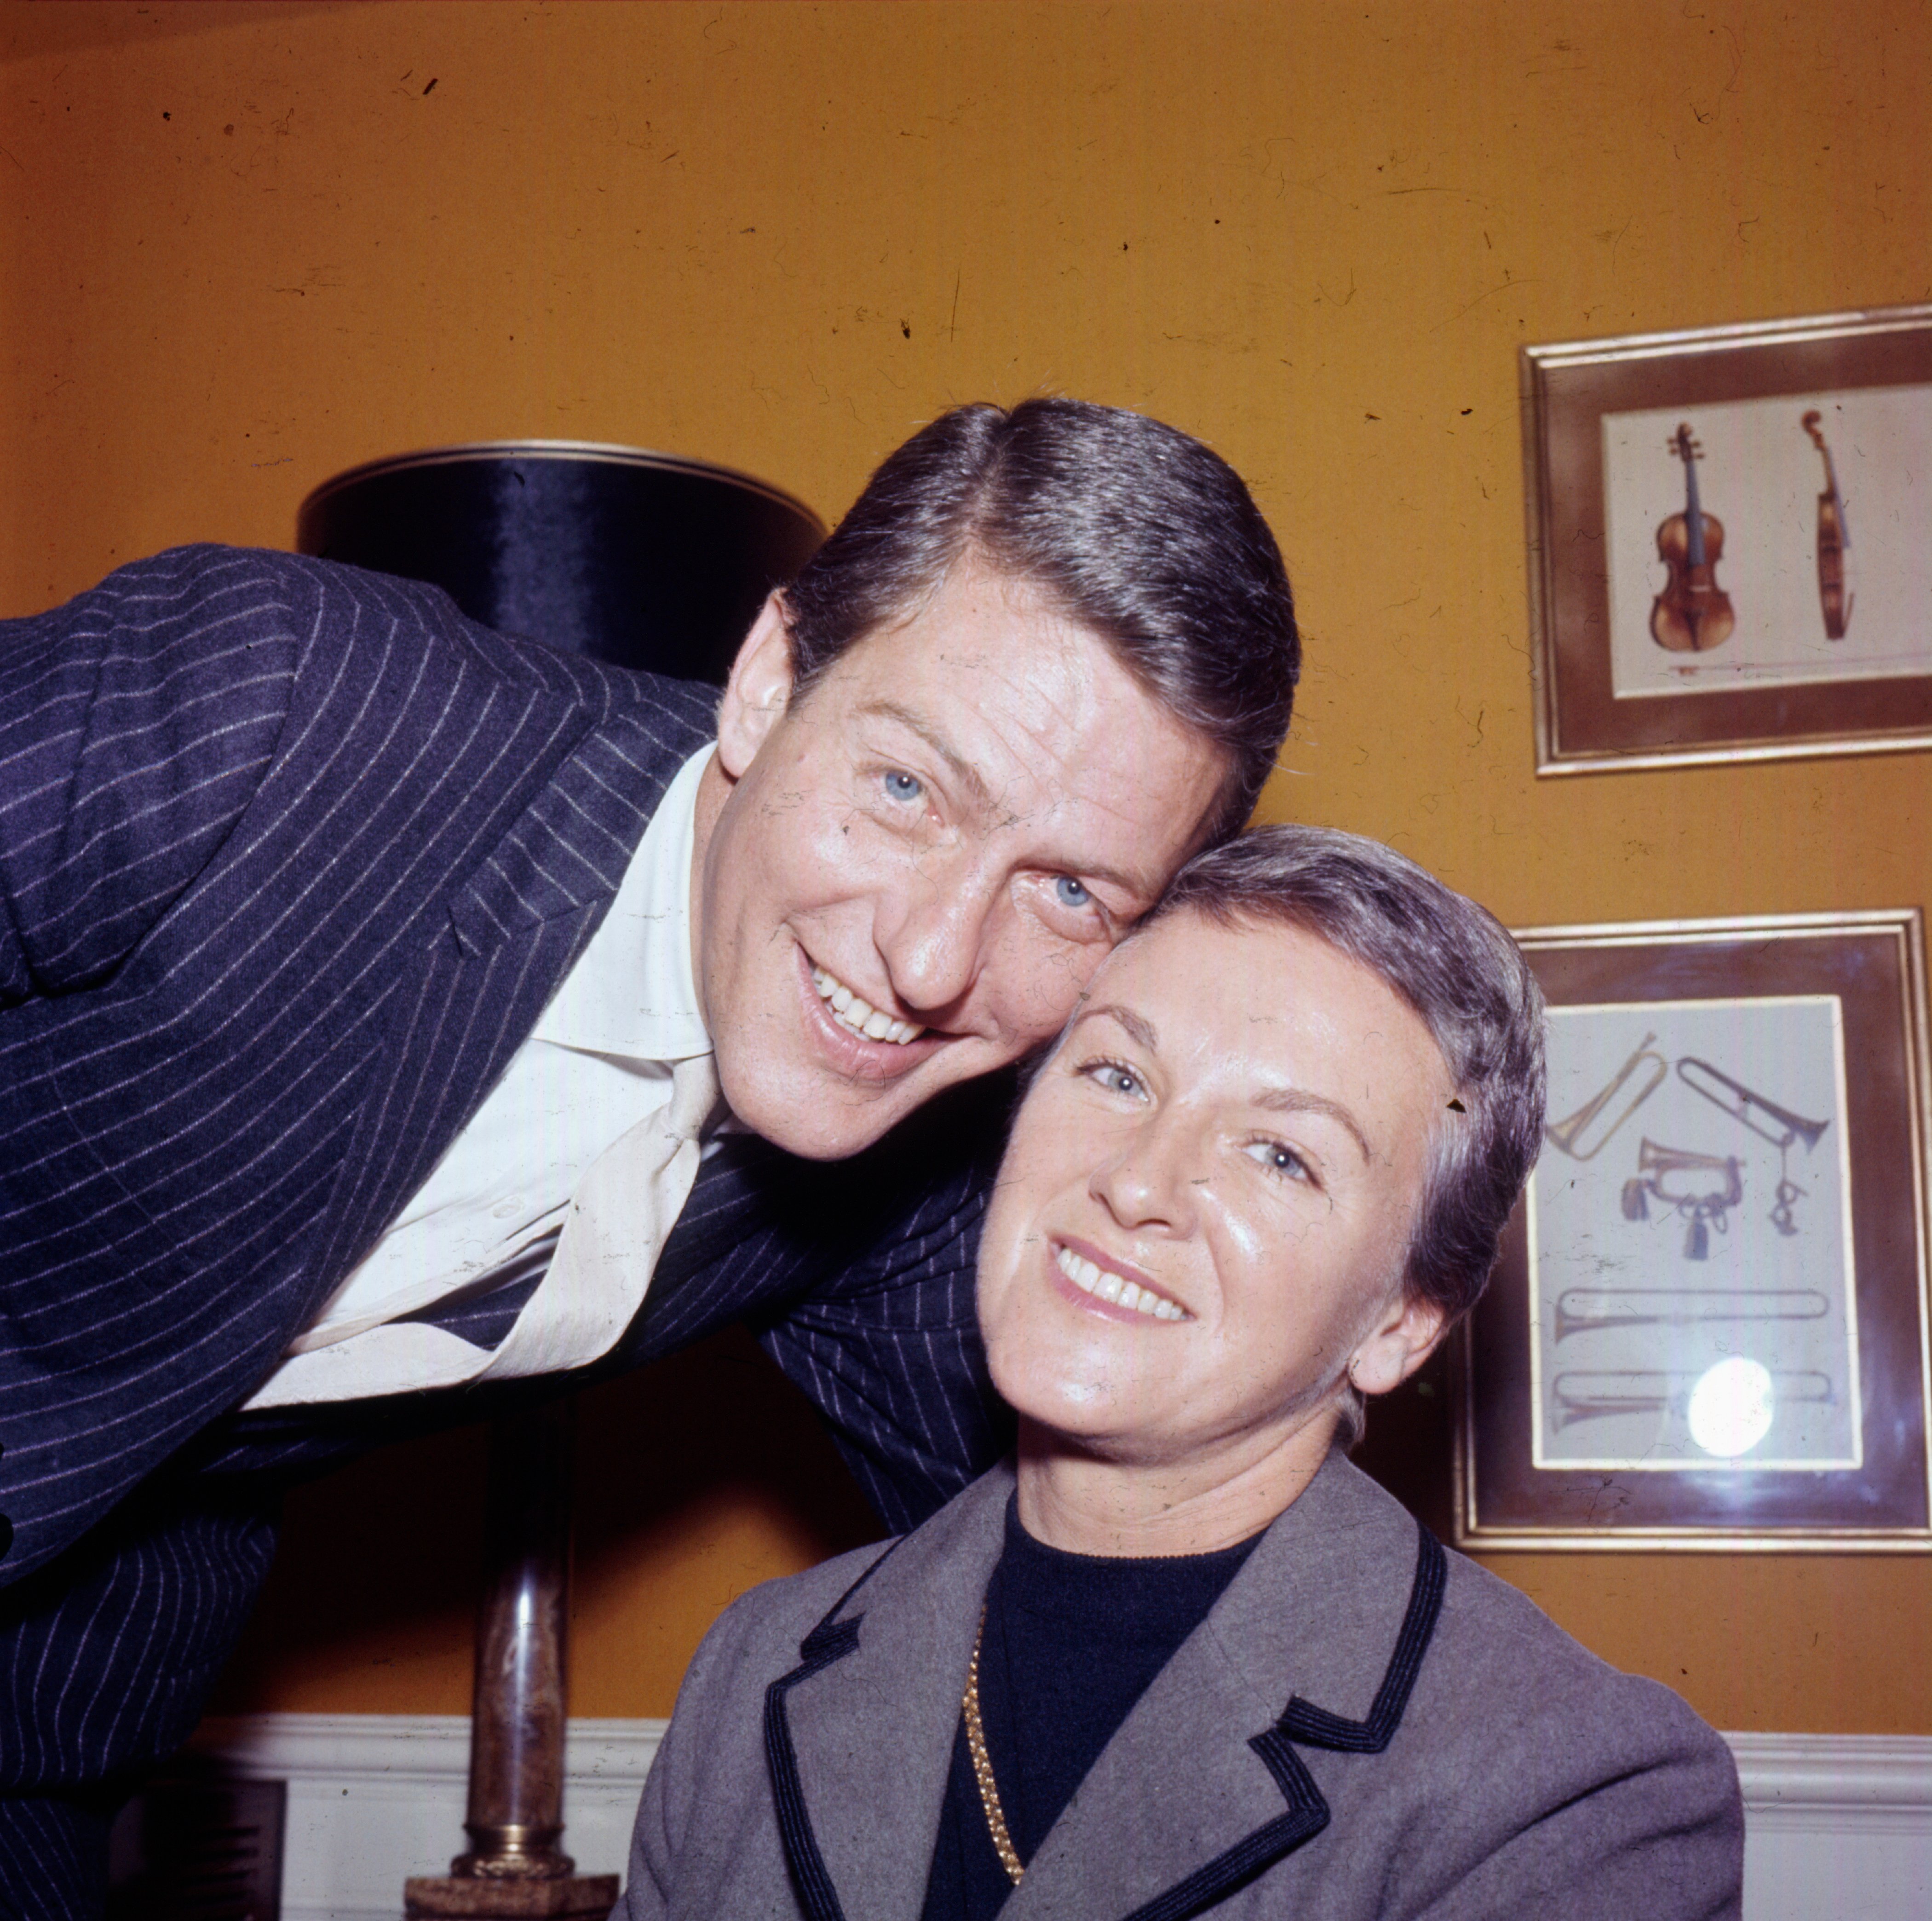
[
  {"x": 1708, "y": 1328},
  {"x": 1730, "y": 542}
]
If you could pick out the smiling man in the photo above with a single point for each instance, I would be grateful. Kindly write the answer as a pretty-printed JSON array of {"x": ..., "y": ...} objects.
[
  {"x": 909, "y": 872},
  {"x": 391, "y": 1012}
]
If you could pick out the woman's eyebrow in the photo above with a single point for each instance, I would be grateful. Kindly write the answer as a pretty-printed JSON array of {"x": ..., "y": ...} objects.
[
  {"x": 1137, "y": 1026},
  {"x": 1299, "y": 1100}
]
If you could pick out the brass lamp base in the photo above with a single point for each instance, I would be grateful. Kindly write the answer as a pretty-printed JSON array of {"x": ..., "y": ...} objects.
[{"x": 474, "y": 1897}]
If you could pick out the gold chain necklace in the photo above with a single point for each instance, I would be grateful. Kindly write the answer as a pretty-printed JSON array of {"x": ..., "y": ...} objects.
[{"x": 983, "y": 1766}]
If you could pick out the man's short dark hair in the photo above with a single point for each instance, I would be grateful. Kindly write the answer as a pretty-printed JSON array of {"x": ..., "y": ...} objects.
[
  {"x": 1454, "y": 964},
  {"x": 1132, "y": 529}
]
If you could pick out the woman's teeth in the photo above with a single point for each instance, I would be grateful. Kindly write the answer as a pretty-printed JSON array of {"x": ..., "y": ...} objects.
[
  {"x": 1092, "y": 1279},
  {"x": 860, "y": 1016}
]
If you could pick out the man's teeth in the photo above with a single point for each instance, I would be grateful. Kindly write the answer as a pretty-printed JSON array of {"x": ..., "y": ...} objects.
[
  {"x": 860, "y": 1016},
  {"x": 1092, "y": 1279}
]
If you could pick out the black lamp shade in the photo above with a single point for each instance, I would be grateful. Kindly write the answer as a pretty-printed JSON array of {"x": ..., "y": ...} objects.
[{"x": 644, "y": 559}]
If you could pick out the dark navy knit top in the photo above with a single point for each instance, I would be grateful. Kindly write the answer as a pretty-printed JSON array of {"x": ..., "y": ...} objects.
[{"x": 1072, "y": 1642}]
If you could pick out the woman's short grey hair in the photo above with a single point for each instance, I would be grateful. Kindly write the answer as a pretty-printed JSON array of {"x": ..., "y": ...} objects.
[{"x": 1455, "y": 964}]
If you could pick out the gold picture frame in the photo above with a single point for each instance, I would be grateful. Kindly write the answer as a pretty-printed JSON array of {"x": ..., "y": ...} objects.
[
  {"x": 1649, "y": 652},
  {"x": 1709, "y": 1329}
]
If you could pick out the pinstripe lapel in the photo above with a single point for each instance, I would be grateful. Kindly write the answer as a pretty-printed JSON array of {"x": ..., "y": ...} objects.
[
  {"x": 515, "y": 924},
  {"x": 567, "y": 852}
]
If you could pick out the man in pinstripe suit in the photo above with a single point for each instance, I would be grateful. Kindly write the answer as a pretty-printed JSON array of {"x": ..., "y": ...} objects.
[{"x": 297, "y": 867}]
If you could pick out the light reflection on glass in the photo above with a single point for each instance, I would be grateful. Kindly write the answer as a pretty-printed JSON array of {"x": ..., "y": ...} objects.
[{"x": 1731, "y": 1407}]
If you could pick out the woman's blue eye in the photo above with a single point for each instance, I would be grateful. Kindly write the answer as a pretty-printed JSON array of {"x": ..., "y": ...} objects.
[
  {"x": 1115, "y": 1079},
  {"x": 1070, "y": 893},
  {"x": 903, "y": 787},
  {"x": 1279, "y": 1160}
]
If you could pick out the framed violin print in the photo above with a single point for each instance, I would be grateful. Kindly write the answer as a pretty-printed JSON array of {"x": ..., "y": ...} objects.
[
  {"x": 1730, "y": 542},
  {"x": 1708, "y": 1328}
]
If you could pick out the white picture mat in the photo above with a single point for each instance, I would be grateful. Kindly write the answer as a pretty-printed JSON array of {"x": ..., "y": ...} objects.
[
  {"x": 1760, "y": 478},
  {"x": 1788, "y": 1049}
]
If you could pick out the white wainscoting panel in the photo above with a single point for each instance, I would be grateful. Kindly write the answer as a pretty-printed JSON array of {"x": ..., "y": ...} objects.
[
  {"x": 1836, "y": 1826},
  {"x": 375, "y": 1798},
  {"x": 1839, "y": 1827}
]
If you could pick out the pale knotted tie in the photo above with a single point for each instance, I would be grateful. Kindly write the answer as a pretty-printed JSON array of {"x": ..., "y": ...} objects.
[{"x": 618, "y": 1221}]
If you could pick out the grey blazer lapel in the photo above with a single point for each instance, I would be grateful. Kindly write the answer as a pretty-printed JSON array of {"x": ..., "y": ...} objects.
[
  {"x": 859, "y": 1736},
  {"x": 1315, "y": 1646},
  {"x": 1313, "y": 1650}
]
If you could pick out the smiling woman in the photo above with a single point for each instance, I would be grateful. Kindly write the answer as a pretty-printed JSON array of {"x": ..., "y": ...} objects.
[
  {"x": 1297, "y": 1107},
  {"x": 1179, "y": 1655},
  {"x": 1248, "y": 1143}
]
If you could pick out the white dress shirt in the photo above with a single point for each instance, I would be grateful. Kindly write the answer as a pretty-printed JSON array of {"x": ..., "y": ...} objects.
[{"x": 597, "y": 1062}]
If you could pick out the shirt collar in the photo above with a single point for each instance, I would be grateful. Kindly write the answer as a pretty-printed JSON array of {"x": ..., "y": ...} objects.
[{"x": 632, "y": 992}]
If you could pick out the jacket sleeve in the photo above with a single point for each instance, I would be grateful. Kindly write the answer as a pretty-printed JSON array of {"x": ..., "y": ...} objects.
[
  {"x": 135, "y": 723},
  {"x": 651, "y": 1873},
  {"x": 891, "y": 1356},
  {"x": 1660, "y": 1835},
  {"x": 705, "y": 1792}
]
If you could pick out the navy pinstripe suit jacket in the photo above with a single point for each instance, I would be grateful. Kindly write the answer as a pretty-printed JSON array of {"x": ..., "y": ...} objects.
[{"x": 291, "y": 858}]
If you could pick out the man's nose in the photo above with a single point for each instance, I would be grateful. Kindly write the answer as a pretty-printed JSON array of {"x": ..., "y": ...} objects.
[{"x": 932, "y": 931}]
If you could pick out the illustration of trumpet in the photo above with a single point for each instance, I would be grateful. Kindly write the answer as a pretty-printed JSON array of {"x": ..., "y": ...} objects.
[
  {"x": 1701, "y": 1204},
  {"x": 1580, "y": 1396},
  {"x": 1585, "y": 1310},
  {"x": 1737, "y": 1101},
  {"x": 1568, "y": 1134}
]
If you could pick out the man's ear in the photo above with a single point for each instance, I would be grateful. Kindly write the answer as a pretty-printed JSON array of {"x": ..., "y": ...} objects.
[
  {"x": 759, "y": 689},
  {"x": 1398, "y": 1344}
]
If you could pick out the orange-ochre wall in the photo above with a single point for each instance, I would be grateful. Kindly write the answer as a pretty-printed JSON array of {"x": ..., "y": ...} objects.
[{"x": 245, "y": 246}]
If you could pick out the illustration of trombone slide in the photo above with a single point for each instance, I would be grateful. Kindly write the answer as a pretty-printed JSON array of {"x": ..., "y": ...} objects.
[{"x": 1731, "y": 1334}]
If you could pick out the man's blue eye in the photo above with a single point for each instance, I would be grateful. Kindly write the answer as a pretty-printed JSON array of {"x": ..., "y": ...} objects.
[
  {"x": 1070, "y": 893},
  {"x": 903, "y": 787}
]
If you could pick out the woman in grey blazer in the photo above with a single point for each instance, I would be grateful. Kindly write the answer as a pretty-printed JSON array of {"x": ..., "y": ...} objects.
[{"x": 1179, "y": 1656}]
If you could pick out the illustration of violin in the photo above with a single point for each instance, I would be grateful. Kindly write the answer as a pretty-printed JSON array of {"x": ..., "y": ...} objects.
[
  {"x": 1835, "y": 539},
  {"x": 1692, "y": 614}
]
